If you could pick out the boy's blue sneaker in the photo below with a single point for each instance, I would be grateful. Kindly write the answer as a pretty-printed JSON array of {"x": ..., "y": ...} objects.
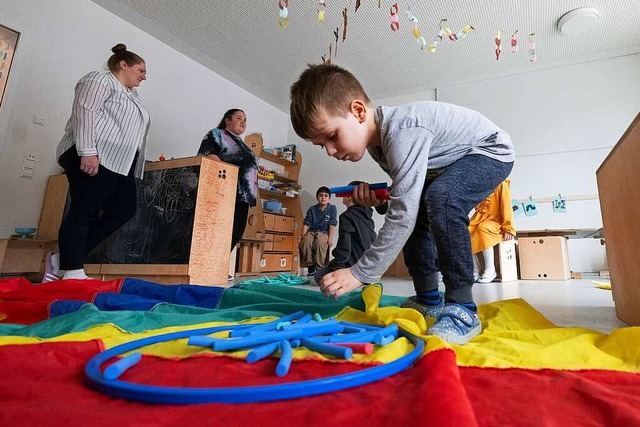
[
  {"x": 456, "y": 324},
  {"x": 424, "y": 309}
]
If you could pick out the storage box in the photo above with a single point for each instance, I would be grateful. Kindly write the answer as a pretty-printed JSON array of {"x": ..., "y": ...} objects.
[{"x": 544, "y": 258}]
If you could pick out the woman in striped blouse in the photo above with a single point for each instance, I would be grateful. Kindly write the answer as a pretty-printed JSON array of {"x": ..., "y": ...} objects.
[{"x": 102, "y": 152}]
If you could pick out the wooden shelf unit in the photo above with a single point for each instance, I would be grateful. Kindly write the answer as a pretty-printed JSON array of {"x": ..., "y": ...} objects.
[{"x": 278, "y": 232}]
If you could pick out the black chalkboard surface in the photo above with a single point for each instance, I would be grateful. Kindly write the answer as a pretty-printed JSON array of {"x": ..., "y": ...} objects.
[{"x": 161, "y": 231}]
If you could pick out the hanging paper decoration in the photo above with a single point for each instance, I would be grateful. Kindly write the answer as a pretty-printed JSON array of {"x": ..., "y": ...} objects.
[
  {"x": 559, "y": 204},
  {"x": 517, "y": 207},
  {"x": 532, "y": 47},
  {"x": 444, "y": 25},
  {"x": 434, "y": 45},
  {"x": 464, "y": 31},
  {"x": 344, "y": 24},
  {"x": 322, "y": 6},
  {"x": 498, "y": 40},
  {"x": 357, "y": 5},
  {"x": 335, "y": 33},
  {"x": 530, "y": 208},
  {"x": 395, "y": 25},
  {"x": 283, "y": 18},
  {"x": 514, "y": 42},
  {"x": 415, "y": 30},
  {"x": 327, "y": 59},
  {"x": 446, "y": 31}
]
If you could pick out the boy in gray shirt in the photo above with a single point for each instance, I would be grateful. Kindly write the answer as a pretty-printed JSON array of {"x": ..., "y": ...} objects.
[{"x": 443, "y": 159}]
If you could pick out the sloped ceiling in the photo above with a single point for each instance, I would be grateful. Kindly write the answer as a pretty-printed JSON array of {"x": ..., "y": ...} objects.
[{"x": 241, "y": 40}]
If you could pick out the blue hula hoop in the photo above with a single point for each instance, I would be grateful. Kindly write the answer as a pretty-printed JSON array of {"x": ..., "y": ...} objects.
[{"x": 252, "y": 394}]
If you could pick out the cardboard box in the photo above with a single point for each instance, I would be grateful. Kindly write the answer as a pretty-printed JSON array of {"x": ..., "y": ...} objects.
[{"x": 544, "y": 258}]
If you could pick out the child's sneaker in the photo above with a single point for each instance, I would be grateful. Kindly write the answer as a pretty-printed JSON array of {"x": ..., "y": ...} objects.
[
  {"x": 424, "y": 309},
  {"x": 456, "y": 324}
]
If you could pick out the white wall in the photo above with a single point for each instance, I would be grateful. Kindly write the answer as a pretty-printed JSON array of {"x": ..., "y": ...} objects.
[
  {"x": 65, "y": 39},
  {"x": 563, "y": 122}
]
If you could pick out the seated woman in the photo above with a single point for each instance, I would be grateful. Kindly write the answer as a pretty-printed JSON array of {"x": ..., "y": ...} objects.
[{"x": 491, "y": 223}]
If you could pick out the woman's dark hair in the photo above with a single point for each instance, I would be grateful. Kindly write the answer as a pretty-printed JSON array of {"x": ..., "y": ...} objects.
[
  {"x": 120, "y": 53},
  {"x": 323, "y": 189},
  {"x": 228, "y": 115}
]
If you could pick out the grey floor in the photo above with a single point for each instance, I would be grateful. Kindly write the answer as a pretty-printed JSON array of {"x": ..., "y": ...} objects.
[{"x": 572, "y": 303}]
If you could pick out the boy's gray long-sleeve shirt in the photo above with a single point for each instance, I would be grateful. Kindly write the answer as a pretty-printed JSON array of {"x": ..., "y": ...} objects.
[{"x": 417, "y": 136}]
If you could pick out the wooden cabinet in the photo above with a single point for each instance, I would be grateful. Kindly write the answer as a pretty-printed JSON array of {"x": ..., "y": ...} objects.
[{"x": 280, "y": 231}]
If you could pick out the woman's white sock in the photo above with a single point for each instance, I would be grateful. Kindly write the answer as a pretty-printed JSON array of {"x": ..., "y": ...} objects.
[{"x": 76, "y": 274}]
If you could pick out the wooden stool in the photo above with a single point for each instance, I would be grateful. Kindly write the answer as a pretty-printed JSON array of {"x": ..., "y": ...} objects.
[
  {"x": 505, "y": 255},
  {"x": 249, "y": 256}
]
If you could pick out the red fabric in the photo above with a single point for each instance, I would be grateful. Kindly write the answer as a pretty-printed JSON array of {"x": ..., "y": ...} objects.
[
  {"x": 24, "y": 303},
  {"x": 549, "y": 397},
  {"x": 45, "y": 387}
]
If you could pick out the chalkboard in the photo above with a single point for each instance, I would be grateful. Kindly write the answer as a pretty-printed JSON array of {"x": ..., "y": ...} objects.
[{"x": 161, "y": 231}]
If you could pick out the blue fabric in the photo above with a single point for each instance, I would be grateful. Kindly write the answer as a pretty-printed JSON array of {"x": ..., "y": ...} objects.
[
  {"x": 193, "y": 295},
  {"x": 109, "y": 301},
  {"x": 58, "y": 308}
]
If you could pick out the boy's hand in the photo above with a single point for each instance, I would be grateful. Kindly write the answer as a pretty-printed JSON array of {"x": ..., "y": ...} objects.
[
  {"x": 338, "y": 283},
  {"x": 364, "y": 196}
]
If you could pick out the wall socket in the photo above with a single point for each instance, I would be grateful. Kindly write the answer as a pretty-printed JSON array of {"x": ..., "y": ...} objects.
[{"x": 28, "y": 166}]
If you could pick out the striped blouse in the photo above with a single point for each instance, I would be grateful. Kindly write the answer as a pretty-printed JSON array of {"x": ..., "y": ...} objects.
[{"x": 107, "y": 120}]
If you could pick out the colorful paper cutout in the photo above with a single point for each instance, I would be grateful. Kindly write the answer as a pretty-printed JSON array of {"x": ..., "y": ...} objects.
[
  {"x": 559, "y": 204},
  {"x": 322, "y": 6},
  {"x": 530, "y": 208},
  {"x": 415, "y": 30},
  {"x": 446, "y": 31},
  {"x": 514, "y": 42},
  {"x": 395, "y": 25},
  {"x": 498, "y": 41},
  {"x": 283, "y": 15},
  {"x": 532, "y": 47},
  {"x": 517, "y": 207}
]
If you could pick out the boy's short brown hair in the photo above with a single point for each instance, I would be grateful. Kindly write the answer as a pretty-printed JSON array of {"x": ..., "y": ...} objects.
[{"x": 322, "y": 88}]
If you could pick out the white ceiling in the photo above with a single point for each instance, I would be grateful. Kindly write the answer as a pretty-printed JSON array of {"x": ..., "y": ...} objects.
[{"x": 241, "y": 40}]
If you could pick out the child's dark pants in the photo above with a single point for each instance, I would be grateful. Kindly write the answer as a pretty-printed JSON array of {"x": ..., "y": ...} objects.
[{"x": 442, "y": 225}]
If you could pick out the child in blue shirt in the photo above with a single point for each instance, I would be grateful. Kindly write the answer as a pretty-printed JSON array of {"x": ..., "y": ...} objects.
[
  {"x": 318, "y": 228},
  {"x": 443, "y": 160}
]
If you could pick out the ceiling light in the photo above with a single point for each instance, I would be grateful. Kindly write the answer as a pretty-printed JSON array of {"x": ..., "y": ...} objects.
[{"x": 578, "y": 21}]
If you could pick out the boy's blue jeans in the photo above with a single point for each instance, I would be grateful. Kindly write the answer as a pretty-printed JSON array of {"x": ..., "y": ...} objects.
[{"x": 441, "y": 229}]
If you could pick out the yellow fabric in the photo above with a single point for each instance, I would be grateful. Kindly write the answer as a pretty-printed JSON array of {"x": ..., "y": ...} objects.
[
  {"x": 514, "y": 335},
  {"x": 492, "y": 219}
]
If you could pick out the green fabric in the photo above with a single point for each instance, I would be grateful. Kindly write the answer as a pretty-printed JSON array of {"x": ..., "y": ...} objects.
[{"x": 238, "y": 303}]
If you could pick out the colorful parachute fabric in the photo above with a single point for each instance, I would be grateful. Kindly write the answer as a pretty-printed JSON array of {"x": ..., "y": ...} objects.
[{"x": 522, "y": 370}]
